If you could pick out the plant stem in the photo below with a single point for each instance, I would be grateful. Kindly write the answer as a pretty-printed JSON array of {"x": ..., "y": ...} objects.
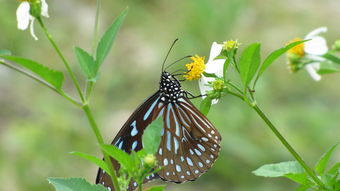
[
  {"x": 100, "y": 140},
  {"x": 60, "y": 92},
  {"x": 95, "y": 31},
  {"x": 287, "y": 145},
  {"x": 68, "y": 68},
  {"x": 85, "y": 106},
  {"x": 90, "y": 84}
]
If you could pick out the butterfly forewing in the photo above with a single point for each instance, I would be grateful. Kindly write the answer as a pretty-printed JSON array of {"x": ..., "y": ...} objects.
[{"x": 129, "y": 138}]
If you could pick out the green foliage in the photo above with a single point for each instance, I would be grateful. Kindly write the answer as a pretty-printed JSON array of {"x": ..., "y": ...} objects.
[
  {"x": 122, "y": 157},
  {"x": 152, "y": 136},
  {"x": 108, "y": 38},
  {"x": 275, "y": 55},
  {"x": 249, "y": 62},
  {"x": 327, "y": 68},
  {"x": 332, "y": 58},
  {"x": 295, "y": 172},
  {"x": 87, "y": 63},
  {"x": 93, "y": 159},
  {"x": 279, "y": 169},
  {"x": 323, "y": 162},
  {"x": 74, "y": 184},
  {"x": 157, "y": 188},
  {"x": 205, "y": 105},
  {"x": 53, "y": 77}
]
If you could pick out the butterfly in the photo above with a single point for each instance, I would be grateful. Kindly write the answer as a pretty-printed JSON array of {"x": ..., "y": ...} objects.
[{"x": 190, "y": 143}]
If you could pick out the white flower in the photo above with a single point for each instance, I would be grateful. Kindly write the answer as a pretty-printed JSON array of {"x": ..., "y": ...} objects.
[
  {"x": 212, "y": 67},
  {"x": 314, "y": 49},
  {"x": 24, "y": 18}
]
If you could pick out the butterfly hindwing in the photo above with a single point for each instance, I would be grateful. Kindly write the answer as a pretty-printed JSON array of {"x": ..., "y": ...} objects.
[{"x": 190, "y": 143}]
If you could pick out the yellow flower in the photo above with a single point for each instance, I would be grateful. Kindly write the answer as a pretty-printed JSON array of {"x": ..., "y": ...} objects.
[
  {"x": 218, "y": 84},
  {"x": 230, "y": 44},
  {"x": 195, "y": 68},
  {"x": 297, "y": 50}
]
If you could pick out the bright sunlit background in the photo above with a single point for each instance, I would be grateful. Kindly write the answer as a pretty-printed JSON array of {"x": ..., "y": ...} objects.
[{"x": 39, "y": 128}]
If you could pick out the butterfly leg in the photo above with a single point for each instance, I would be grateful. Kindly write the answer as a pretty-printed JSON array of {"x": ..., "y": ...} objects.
[{"x": 187, "y": 94}]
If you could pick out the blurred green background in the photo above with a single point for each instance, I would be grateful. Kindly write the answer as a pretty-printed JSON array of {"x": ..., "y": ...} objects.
[{"x": 38, "y": 128}]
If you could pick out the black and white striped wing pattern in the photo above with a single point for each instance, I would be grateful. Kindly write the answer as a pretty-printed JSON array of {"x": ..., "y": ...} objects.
[
  {"x": 129, "y": 138},
  {"x": 190, "y": 143}
]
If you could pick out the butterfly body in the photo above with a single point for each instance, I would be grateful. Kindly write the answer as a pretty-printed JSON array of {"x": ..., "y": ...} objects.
[{"x": 189, "y": 144}]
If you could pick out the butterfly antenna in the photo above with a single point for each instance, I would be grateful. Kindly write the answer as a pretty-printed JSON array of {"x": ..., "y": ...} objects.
[
  {"x": 166, "y": 57},
  {"x": 177, "y": 61}
]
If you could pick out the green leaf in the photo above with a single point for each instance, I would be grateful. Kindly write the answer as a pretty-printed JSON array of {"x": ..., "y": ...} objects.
[
  {"x": 249, "y": 62},
  {"x": 87, "y": 63},
  {"x": 74, "y": 184},
  {"x": 122, "y": 157},
  {"x": 205, "y": 105},
  {"x": 300, "y": 178},
  {"x": 5, "y": 52},
  {"x": 275, "y": 55},
  {"x": 210, "y": 75},
  {"x": 93, "y": 159},
  {"x": 332, "y": 58},
  {"x": 53, "y": 77},
  {"x": 327, "y": 68},
  {"x": 335, "y": 168},
  {"x": 157, "y": 188},
  {"x": 322, "y": 163},
  {"x": 152, "y": 136},
  {"x": 106, "y": 42},
  {"x": 279, "y": 169}
]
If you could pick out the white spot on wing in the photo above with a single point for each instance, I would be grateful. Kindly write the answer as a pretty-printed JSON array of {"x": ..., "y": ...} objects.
[{"x": 134, "y": 130}]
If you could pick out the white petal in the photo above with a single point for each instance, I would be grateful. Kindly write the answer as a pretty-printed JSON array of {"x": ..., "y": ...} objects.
[
  {"x": 23, "y": 15},
  {"x": 32, "y": 28},
  {"x": 316, "y": 32},
  {"x": 44, "y": 8},
  {"x": 204, "y": 88},
  {"x": 215, "y": 67},
  {"x": 203, "y": 84},
  {"x": 312, "y": 70},
  {"x": 215, "y": 50},
  {"x": 317, "y": 46}
]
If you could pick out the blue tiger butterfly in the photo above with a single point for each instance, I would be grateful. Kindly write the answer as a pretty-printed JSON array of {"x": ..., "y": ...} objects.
[{"x": 190, "y": 143}]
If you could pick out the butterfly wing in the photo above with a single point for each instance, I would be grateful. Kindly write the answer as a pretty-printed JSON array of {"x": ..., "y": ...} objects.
[
  {"x": 129, "y": 138},
  {"x": 190, "y": 143}
]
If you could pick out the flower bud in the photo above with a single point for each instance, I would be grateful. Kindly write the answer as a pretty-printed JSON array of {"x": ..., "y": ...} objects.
[
  {"x": 230, "y": 45},
  {"x": 218, "y": 85},
  {"x": 35, "y": 10},
  {"x": 336, "y": 45},
  {"x": 150, "y": 160}
]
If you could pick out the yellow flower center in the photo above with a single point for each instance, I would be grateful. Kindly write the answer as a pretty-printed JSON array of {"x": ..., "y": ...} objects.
[
  {"x": 195, "y": 68},
  {"x": 298, "y": 49},
  {"x": 218, "y": 84},
  {"x": 230, "y": 44}
]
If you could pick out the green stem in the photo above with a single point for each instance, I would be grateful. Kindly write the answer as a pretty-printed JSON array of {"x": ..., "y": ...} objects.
[
  {"x": 100, "y": 140},
  {"x": 95, "y": 31},
  {"x": 287, "y": 145},
  {"x": 60, "y": 92},
  {"x": 85, "y": 106},
  {"x": 90, "y": 84},
  {"x": 68, "y": 68}
]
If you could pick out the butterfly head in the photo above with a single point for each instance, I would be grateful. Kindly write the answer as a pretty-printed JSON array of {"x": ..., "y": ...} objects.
[{"x": 170, "y": 88}]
